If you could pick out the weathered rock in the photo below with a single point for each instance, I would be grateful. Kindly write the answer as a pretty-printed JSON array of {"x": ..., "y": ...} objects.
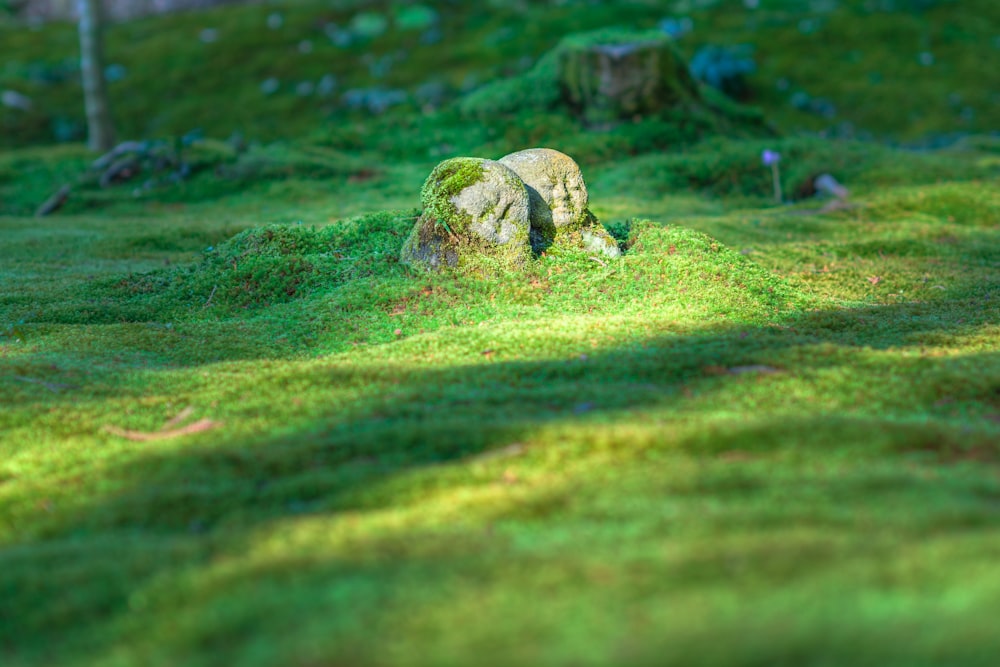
[
  {"x": 596, "y": 239},
  {"x": 474, "y": 210},
  {"x": 15, "y": 100},
  {"x": 559, "y": 199}
]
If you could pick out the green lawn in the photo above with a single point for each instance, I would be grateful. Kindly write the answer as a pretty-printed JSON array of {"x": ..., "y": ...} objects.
[{"x": 767, "y": 435}]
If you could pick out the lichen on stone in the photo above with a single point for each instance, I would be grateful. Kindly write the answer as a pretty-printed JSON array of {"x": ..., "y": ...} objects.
[{"x": 474, "y": 211}]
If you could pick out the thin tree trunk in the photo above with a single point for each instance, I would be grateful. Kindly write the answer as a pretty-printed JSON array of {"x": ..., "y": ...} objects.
[{"x": 101, "y": 133}]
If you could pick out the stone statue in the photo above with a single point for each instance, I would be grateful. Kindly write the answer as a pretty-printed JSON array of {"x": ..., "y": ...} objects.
[
  {"x": 482, "y": 214},
  {"x": 559, "y": 201},
  {"x": 474, "y": 210}
]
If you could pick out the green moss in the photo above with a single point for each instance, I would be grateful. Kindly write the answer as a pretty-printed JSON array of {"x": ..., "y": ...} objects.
[
  {"x": 727, "y": 168},
  {"x": 767, "y": 435},
  {"x": 672, "y": 109},
  {"x": 269, "y": 265},
  {"x": 534, "y": 91},
  {"x": 446, "y": 181},
  {"x": 382, "y": 438},
  {"x": 173, "y": 80}
]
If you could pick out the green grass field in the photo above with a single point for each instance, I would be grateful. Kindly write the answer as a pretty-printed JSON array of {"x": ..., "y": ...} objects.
[{"x": 235, "y": 430}]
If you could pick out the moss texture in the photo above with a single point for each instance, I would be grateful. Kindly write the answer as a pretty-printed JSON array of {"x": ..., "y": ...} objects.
[
  {"x": 386, "y": 449},
  {"x": 169, "y": 90},
  {"x": 475, "y": 219},
  {"x": 613, "y": 76},
  {"x": 447, "y": 180},
  {"x": 768, "y": 435}
]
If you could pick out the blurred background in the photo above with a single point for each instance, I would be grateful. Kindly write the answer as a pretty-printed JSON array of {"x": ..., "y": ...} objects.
[{"x": 916, "y": 72}]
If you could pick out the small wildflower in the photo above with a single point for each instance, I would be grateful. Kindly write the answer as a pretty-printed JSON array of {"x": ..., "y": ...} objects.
[{"x": 771, "y": 159}]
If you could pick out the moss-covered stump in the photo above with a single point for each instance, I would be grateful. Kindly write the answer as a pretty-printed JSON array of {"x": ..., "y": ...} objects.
[
  {"x": 610, "y": 78},
  {"x": 614, "y": 76},
  {"x": 476, "y": 212},
  {"x": 559, "y": 200}
]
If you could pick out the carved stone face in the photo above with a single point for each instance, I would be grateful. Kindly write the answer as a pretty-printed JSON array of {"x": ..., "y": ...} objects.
[
  {"x": 555, "y": 183},
  {"x": 471, "y": 199},
  {"x": 498, "y": 204}
]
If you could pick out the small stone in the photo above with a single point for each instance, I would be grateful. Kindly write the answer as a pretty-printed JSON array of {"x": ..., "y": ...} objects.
[
  {"x": 270, "y": 86},
  {"x": 369, "y": 25},
  {"x": 114, "y": 73},
  {"x": 829, "y": 185},
  {"x": 416, "y": 17},
  {"x": 15, "y": 100},
  {"x": 676, "y": 27},
  {"x": 275, "y": 21},
  {"x": 597, "y": 240},
  {"x": 208, "y": 36},
  {"x": 800, "y": 100},
  {"x": 326, "y": 86},
  {"x": 337, "y": 35},
  {"x": 431, "y": 36},
  {"x": 305, "y": 47},
  {"x": 430, "y": 95},
  {"x": 808, "y": 26}
]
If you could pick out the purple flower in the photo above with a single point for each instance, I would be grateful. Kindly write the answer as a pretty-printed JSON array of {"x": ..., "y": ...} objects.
[{"x": 769, "y": 157}]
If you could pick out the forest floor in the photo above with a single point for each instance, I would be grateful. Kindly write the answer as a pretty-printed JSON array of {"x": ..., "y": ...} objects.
[{"x": 236, "y": 431}]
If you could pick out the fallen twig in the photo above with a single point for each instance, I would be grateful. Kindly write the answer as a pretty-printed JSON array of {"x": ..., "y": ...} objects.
[
  {"x": 164, "y": 434},
  {"x": 54, "y": 387},
  {"x": 105, "y": 160},
  {"x": 170, "y": 429},
  {"x": 209, "y": 301},
  {"x": 179, "y": 419},
  {"x": 515, "y": 449},
  {"x": 54, "y": 203}
]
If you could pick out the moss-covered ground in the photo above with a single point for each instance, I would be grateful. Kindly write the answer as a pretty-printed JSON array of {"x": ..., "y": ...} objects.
[{"x": 235, "y": 430}]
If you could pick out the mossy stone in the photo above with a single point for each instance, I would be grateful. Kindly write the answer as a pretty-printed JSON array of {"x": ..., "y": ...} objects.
[
  {"x": 559, "y": 201},
  {"x": 476, "y": 213}
]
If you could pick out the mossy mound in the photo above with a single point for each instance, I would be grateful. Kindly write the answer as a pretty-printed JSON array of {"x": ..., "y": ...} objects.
[
  {"x": 475, "y": 211},
  {"x": 726, "y": 168},
  {"x": 609, "y": 76},
  {"x": 162, "y": 171},
  {"x": 276, "y": 263},
  {"x": 701, "y": 274}
]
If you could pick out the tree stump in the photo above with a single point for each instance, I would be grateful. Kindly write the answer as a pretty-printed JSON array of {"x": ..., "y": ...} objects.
[{"x": 609, "y": 77}]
